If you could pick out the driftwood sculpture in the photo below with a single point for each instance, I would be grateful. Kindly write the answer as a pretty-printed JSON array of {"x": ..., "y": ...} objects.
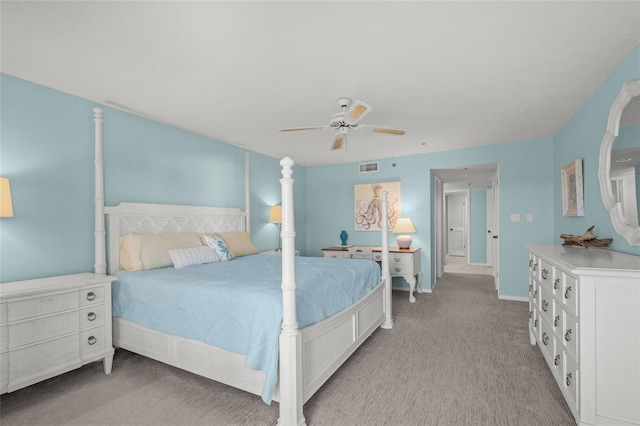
[{"x": 588, "y": 239}]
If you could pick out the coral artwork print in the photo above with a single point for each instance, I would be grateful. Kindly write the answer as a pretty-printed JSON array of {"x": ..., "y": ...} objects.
[{"x": 368, "y": 205}]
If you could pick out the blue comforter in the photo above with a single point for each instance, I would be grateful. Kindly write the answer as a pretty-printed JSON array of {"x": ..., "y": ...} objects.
[{"x": 237, "y": 305}]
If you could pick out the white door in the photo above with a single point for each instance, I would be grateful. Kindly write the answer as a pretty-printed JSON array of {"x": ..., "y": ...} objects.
[
  {"x": 456, "y": 208},
  {"x": 495, "y": 258}
]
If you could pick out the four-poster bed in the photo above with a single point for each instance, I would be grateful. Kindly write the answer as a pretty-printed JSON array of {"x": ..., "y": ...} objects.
[{"x": 307, "y": 356}]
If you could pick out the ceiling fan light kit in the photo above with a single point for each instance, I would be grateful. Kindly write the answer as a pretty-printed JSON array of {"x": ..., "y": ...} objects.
[{"x": 349, "y": 118}]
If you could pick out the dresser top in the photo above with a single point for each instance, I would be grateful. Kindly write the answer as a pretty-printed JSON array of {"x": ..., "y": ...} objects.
[
  {"x": 588, "y": 259},
  {"x": 20, "y": 288}
]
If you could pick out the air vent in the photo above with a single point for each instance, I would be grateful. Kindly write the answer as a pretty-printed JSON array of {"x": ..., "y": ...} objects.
[{"x": 368, "y": 167}]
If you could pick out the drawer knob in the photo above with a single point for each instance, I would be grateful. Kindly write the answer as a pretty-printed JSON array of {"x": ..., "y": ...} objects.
[
  {"x": 535, "y": 294},
  {"x": 544, "y": 274},
  {"x": 91, "y": 316},
  {"x": 92, "y": 340},
  {"x": 556, "y": 360},
  {"x": 535, "y": 265},
  {"x": 567, "y": 335},
  {"x": 556, "y": 282},
  {"x": 535, "y": 323},
  {"x": 530, "y": 263},
  {"x": 397, "y": 269},
  {"x": 397, "y": 259},
  {"x": 556, "y": 321},
  {"x": 545, "y": 339},
  {"x": 568, "y": 380},
  {"x": 530, "y": 314},
  {"x": 91, "y": 296},
  {"x": 545, "y": 305},
  {"x": 567, "y": 293}
]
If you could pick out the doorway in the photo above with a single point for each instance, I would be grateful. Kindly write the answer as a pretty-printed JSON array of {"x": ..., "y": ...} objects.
[{"x": 467, "y": 215}]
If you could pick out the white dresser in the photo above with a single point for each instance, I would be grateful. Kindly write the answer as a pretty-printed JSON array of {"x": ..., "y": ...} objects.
[
  {"x": 584, "y": 313},
  {"x": 52, "y": 325}
]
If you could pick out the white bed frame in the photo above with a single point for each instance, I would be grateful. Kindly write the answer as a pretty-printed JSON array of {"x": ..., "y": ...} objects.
[{"x": 307, "y": 357}]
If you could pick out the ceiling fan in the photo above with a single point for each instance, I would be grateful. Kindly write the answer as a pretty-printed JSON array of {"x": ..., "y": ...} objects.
[{"x": 346, "y": 120}]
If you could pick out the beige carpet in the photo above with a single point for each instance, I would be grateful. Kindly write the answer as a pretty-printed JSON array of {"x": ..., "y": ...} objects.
[{"x": 458, "y": 356}]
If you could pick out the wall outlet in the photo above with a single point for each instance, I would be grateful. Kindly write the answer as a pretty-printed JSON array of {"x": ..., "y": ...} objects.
[
  {"x": 515, "y": 217},
  {"x": 529, "y": 217}
]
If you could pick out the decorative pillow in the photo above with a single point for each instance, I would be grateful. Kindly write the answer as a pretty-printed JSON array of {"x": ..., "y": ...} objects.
[
  {"x": 239, "y": 243},
  {"x": 149, "y": 251},
  {"x": 182, "y": 257},
  {"x": 217, "y": 243}
]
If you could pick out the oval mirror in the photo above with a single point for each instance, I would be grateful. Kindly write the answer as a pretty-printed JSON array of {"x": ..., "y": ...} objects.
[{"x": 620, "y": 163}]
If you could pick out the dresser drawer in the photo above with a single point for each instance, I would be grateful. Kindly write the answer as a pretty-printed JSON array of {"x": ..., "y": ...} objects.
[
  {"x": 91, "y": 340},
  {"x": 546, "y": 274},
  {"x": 546, "y": 304},
  {"x": 32, "y": 331},
  {"x": 4, "y": 369},
  {"x": 395, "y": 269},
  {"x": 570, "y": 381},
  {"x": 570, "y": 336},
  {"x": 4, "y": 338},
  {"x": 570, "y": 294},
  {"x": 546, "y": 339},
  {"x": 37, "y": 357},
  {"x": 557, "y": 361},
  {"x": 90, "y": 296},
  {"x": 92, "y": 316},
  {"x": 42, "y": 305}
]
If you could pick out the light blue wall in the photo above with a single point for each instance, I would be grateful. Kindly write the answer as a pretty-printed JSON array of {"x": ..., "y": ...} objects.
[
  {"x": 47, "y": 152},
  {"x": 526, "y": 180},
  {"x": 478, "y": 225},
  {"x": 581, "y": 137}
]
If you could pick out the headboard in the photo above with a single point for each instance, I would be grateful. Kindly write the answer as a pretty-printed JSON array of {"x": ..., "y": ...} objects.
[{"x": 140, "y": 218}]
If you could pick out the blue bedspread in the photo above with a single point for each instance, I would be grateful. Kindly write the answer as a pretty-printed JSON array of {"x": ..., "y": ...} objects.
[{"x": 237, "y": 305}]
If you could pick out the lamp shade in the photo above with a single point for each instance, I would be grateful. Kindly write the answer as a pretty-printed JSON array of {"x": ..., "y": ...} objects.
[
  {"x": 403, "y": 226},
  {"x": 275, "y": 216},
  {"x": 6, "y": 207}
]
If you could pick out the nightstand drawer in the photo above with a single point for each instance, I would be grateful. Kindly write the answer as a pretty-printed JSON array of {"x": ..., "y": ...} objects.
[
  {"x": 43, "y": 305},
  {"x": 32, "y": 331},
  {"x": 92, "y": 316},
  {"x": 90, "y": 296},
  {"x": 400, "y": 259},
  {"x": 91, "y": 340}
]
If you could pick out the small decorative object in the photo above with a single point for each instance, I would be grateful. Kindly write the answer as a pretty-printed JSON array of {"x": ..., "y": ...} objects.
[
  {"x": 343, "y": 237},
  {"x": 588, "y": 239},
  {"x": 572, "y": 197}
]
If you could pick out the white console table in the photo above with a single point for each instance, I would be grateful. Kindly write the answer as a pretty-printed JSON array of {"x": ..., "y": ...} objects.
[{"x": 403, "y": 263}]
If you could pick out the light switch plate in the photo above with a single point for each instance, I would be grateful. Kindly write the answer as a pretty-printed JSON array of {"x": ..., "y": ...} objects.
[
  {"x": 515, "y": 217},
  {"x": 529, "y": 217}
]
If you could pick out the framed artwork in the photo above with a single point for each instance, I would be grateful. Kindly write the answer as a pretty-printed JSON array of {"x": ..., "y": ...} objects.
[
  {"x": 572, "y": 195},
  {"x": 367, "y": 205}
]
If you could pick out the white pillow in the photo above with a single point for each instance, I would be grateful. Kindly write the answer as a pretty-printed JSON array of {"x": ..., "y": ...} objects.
[{"x": 182, "y": 257}]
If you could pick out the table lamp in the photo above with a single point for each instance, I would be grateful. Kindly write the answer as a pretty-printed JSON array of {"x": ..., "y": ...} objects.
[
  {"x": 275, "y": 216},
  {"x": 403, "y": 227}
]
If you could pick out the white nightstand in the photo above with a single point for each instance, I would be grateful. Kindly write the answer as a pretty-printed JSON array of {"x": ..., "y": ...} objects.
[
  {"x": 404, "y": 263},
  {"x": 53, "y": 325}
]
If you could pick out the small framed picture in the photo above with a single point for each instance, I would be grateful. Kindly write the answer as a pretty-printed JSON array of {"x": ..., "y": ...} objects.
[{"x": 572, "y": 189}]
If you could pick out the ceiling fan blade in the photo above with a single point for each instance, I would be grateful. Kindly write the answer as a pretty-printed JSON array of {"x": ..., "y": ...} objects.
[
  {"x": 356, "y": 112},
  {"x": 338, "y": 141},
  {"x": 295, "y": 129},
  {"x": 390, "y": 131}
]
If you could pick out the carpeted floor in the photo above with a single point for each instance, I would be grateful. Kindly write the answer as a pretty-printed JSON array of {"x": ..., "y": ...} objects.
[{"x": 458, "y": 356}]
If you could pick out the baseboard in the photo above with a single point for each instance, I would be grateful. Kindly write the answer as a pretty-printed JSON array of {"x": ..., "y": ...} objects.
[{"x": 514, "y": 298}]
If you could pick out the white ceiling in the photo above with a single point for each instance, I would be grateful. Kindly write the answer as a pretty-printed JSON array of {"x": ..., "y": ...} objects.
[{"x": 452, "y": 74}]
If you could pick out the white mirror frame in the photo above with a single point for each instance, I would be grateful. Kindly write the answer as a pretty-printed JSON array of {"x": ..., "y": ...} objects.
[{"x": 629, "y": 233}]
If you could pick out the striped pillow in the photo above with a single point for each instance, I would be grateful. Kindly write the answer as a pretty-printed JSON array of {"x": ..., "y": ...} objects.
[{"x": 182, "y": 257}]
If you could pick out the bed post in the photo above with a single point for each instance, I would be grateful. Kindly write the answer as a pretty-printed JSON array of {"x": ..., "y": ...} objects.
[
  {"x": 100, "y": 265},
  {"x": 388, "y": 319},
  {"x": 247, "y": 193},
  {"x": 291, "y": 398}
]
